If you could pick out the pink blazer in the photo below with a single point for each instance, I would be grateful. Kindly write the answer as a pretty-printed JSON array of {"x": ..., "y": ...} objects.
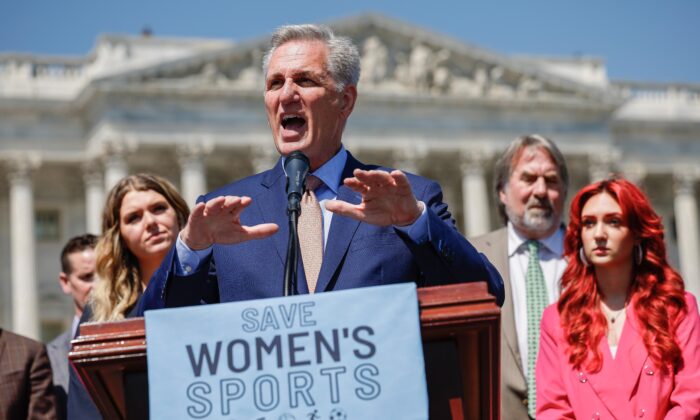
[{"x": 628, "y": 386}]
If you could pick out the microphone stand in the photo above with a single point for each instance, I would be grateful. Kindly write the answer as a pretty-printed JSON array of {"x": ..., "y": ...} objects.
[{"x": 290, "y": 265}]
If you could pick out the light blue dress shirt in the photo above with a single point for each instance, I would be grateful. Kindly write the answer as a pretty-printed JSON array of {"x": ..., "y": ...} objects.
[{"x": 330, "y": 173}]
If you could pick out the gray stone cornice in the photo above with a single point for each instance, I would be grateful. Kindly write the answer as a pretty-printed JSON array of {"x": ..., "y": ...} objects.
[
  {"x": 656, "y": 86},
  {"x": 572, "y": 103}
]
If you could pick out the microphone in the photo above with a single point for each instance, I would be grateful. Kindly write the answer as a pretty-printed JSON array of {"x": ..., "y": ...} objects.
[{"x": 296, "y": 166}]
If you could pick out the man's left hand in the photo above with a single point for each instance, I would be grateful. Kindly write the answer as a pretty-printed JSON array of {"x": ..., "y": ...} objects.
[{"x": 387, "y": 199}]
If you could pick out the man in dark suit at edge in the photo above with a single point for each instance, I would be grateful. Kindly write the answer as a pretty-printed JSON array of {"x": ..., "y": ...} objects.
[
  {"x": 378, "y": 226},
  {"x": 26, "y": 389}
]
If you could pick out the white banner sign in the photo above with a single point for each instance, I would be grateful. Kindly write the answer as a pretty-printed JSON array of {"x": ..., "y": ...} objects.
[{"x": 352, "y": 354}]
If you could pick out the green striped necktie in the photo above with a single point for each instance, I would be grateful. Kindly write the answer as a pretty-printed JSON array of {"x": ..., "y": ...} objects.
[{"x": 536, "y": 295}]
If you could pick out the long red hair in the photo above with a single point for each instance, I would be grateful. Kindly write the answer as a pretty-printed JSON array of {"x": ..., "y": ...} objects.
[{"x": 656, "y": 292}]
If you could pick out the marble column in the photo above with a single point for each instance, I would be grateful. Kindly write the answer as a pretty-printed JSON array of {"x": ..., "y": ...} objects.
[
  {"x": 25, "y": 296},
  {"x": 687, "y": 229},
  {"x": 475, "y": 198},
  {"x": 115, "y": 166},
  {"x": 94, "y": 198},
  {"x": 193, "y": 179}
]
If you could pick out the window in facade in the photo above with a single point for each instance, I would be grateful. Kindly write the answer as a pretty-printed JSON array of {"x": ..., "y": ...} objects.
[{"x": 47, "y": 225}]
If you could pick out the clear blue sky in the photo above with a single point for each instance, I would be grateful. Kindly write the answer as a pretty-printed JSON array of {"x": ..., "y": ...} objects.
[{"x": 641, "y": 40}]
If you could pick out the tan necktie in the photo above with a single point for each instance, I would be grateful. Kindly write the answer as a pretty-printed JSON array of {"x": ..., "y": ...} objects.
[{"x": 311, "y": 233}]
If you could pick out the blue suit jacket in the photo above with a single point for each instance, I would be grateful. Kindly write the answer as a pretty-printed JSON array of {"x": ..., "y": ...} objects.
[{"x": 356, "y": 255}]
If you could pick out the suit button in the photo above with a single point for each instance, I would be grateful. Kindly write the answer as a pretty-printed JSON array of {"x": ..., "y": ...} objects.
[
  {"x": 582, "y": 378},
  {"x": 648, "y": 370},
  {"x": 642, "y": 412},
  {"x": 595, "y": 416}
]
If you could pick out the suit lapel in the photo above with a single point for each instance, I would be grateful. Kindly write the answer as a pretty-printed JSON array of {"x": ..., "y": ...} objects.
[
  {"x": 507, "y": 311},
  {"x": 605, "y": 382},
  {"x": 64, "y": 342},
  {"x": 272, "y": 205},
  {"x": 616, "y": 381},
  {"x": 342, "y": 229},
  {"x": 632, "y": 353}
]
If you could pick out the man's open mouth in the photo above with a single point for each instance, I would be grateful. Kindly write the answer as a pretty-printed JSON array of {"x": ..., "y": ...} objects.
[{"x": 293, "y": 122}]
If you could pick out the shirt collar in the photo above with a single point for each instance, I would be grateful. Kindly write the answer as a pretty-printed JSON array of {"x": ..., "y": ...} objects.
[
  {"x": 331, "y": 171},
  {"x": 554, "y": 243}
]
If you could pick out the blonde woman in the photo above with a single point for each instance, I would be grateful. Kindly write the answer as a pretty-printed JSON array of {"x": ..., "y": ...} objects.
[
  {"x": 142, "y": 217},
  {"x": 141, "y": 220}
]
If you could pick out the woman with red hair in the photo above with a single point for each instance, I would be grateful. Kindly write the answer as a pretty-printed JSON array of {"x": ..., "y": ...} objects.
[{"x": 623, "y": 341}]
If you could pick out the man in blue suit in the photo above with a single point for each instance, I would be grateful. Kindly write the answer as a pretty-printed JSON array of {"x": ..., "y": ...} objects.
[{"x": 380, "y": 226}]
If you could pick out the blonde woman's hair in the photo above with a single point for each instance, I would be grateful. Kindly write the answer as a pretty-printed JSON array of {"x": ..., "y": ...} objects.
[{"x": 119, "y": 285}]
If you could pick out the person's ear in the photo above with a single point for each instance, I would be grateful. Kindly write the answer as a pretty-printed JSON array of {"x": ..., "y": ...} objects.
[
  {"x": 347, "y": 100},
  {"x": 65, "y": 285},
  {"x": 502, "y": 196}
]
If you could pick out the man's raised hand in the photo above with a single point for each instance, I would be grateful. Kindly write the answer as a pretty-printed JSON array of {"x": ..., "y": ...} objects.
[
  {"x": 218, "y": 221},
  {"x": 387, "y": 199}
]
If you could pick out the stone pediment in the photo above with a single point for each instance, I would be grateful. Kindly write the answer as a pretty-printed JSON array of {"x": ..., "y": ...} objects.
[
  {"x": 401, "y": 58},
  {"x": 398, "y": 59},
  {"x": 231, "y": 67}
]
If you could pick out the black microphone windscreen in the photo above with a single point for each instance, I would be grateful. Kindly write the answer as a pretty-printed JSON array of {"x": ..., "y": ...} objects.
[{"x": 296, "y": 166}]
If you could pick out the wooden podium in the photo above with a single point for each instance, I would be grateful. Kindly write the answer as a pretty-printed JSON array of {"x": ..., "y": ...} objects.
[{"x": 460, "y": 325}]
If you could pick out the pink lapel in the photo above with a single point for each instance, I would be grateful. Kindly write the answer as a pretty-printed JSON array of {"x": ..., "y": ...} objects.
[
  {"x": 632, "y": 354},
  {"x": 617, "y": 380}
]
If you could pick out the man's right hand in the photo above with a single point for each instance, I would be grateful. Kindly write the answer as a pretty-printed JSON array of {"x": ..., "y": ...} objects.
[{"x": 218, "y": 221}]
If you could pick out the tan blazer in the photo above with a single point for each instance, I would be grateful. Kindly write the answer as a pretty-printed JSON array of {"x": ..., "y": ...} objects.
[
  {"x": 513, "y": 386},
  {"x": 26, "y": 389}
]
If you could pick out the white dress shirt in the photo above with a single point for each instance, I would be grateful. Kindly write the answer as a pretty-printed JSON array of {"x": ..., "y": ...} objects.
[{"x": 553, "y": 265}]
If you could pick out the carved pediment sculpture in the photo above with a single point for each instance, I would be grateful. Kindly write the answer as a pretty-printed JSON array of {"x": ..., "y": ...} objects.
[
  {"x": 251, "y": 75},
  {"x": 212, "y": 75},
  {"x": 397, "y": 59},
  {"x": 424, "y": 69},
  {"x": 375, "y": 62}
]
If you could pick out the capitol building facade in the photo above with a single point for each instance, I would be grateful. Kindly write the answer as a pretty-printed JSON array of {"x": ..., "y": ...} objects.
[{"x": 192, "y": 110}]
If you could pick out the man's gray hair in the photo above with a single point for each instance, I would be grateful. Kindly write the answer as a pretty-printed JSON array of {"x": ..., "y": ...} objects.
[
  {"x": 504, "y": 165},
  {"x": 343, "y": 57}
]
